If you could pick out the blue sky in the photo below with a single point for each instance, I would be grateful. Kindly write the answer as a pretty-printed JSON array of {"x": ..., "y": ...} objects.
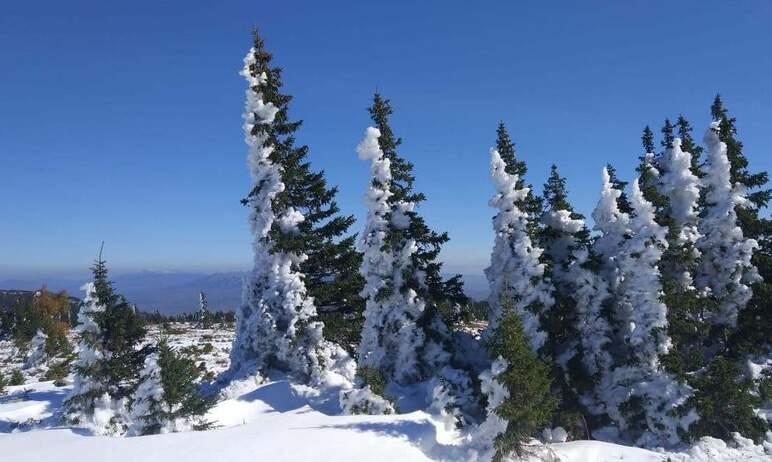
[{"x": 122, "y": 121}]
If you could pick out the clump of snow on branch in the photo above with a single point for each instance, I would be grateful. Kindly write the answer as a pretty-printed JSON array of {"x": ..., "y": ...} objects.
[
  {"x": 515, "y": 271},
  {"x": 725, "y": 270},
  {"x": 148, "y": 399}
]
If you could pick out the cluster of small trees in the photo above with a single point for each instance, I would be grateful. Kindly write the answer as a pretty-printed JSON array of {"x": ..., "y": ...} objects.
[
  {"x": 123, "y": 385},
  {"x": 635, "y": 330}
]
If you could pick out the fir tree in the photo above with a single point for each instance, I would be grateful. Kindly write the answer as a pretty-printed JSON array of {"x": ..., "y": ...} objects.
[
  {"x": 203, "y": 311},
  {"x": 667, "y": 135},
  {"x": 516, "y": 271},
  {"x": 619, "y": 185},
  {"x": 109, "y": 358},
  {"x": 755, "y": 321},
  {"x": 531, "y": 203},
  {"x": 167, "y": 398},
  {"x": 296, "y": 251},
  {"x": 688, "y": 144},
  {"x": 518, "y": 391},
  {"x": 404, "y": 337}
]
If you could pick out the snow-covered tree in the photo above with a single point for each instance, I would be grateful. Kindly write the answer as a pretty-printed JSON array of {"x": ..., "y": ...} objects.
[
  {"x": 639, "y": 396},
  {"x": 275, "y": 324},
  {"x": 203, "y": 311},
  {"x": 404, "y": 337},
  {"x": 167, "y": 398},
  {"x": 37, "y": 350},
  {"x": 109, "y": 358},
  {"x": 726, "y": 270},
  {"x": 517, "y": 387},
  {"x": 515, "y": 271}
]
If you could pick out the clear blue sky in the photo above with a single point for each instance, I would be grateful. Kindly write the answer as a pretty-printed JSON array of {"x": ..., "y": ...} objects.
[{"x": 122, "y": 120}]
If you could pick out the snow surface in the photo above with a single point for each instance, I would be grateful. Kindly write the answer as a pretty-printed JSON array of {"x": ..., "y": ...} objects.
[{"x": 278, "y": 421}]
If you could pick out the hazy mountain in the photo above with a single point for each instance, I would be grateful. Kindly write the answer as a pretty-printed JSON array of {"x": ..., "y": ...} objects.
[{"x": 177, "y": 292}]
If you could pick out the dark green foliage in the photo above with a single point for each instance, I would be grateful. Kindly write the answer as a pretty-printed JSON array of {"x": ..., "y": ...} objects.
[
  {"x": 623, "y": 202},
  {"x": 182, "y": 398},
  {"x": 17, "y": 378},
  {"x": 374, "y": 379},
  {"x": 3, "y": 384},
  {"x": 754, "y": 327},
  {"x": 647, "y": 140},
  {"x": 121, "y": 331},
  {"x": 530, "y": 405},
  {"x": 433, "y": 289},
  {"x": 667, "y": 135},
  {"x": 41, "y": 310},
  {"x": 331, "y": 269},
  {"x": 58, "y": 371},
  {"x": 532, "y": 204},
  {"x": 725, "y": 402},
  {"x": 688, "y": 144}
]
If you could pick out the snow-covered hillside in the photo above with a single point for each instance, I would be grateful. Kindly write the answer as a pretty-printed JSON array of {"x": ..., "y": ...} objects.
[{"x": 276, "y": 421}]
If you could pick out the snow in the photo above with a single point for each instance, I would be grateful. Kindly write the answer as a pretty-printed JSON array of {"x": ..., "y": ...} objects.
[{"x": 281, "y": 420}]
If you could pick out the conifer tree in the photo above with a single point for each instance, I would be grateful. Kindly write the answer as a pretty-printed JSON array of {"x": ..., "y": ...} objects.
[
  {"x": 518, "y": 390},
  {"x": 726, "y": 269},
  {"x": 688, "y": 144},
  {"x": 167, "y": 398},
  {"x": 295, "y": 230},
  {"x": 516, "y": 271},
  {"x": 622, "y": 201},
  {"x": 109, "y": 358},
  {"x": 755, "y": 321},
  {"x": 667, "y": 135},
  {"x": 37, "y": 350},
  {"x": 636, "y": 393},
  {"x": 203, "y": 311},
  {"x": 531, "y": 204},
  {"x": 404, "y": 337}
]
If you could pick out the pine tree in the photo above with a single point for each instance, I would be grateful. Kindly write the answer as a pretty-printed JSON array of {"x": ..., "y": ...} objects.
[
  {"x": 755, "y": 321},
  {"x": 109, "y": 358},
  {"x": 516, "y": 271},
  {"x": 293, "y": 218},
  {"x": 167, "y": 398},
  {"x": 518, "y": 391},
  {"x": 404, "y": 337}
]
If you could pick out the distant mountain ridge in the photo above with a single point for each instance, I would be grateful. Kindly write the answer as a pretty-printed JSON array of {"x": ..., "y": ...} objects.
[{"x": 177, "y": 292}]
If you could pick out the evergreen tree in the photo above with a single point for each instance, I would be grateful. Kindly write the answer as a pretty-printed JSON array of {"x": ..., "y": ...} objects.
[
  {"x": 755, "y": 321},
  {"x": 688, "y": 144},
  {"x": 667, "y": 135},
  {"x": 619, "y": 185},
  {"x": 531, "y": 204},
  {"x": 726, "y": 269},
  {"x": 518, "y": 391},
  {"x": 516, "y": 271},
  {"x": 109, "y": 358},
  {"x": 203, "y": 311},
  {"x": 37, "y": 350},
  {"x": 293, "y": 218},
  {"x": 636, "y": 393},
  {"x": 404, "y": 339},
  {"x": 167, "y": 398}
]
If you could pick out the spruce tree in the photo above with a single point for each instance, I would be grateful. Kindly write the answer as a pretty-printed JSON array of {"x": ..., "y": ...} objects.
[
  {"x": 622, "y": 201},
  {"x": 688, "y": 144},
  {"x": 297, "y": 250},
  {"x": 755, "y": 322},
  {"x": 203, "y": 311},
  {"x": 518, "y": 390},
  {"x": 109, "y": 357},
  {"x": 531, "y": 204},
  {"x": 168, "y": 397},
  {"x": 667, "y": 135},
  {"x": 404, "y": 337}
]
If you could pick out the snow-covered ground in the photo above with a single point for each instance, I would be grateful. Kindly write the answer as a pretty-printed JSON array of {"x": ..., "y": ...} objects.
[{"x": 277, "y": 421}]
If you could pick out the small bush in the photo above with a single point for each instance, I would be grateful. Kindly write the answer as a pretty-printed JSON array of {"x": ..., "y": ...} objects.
[{"x": 17, "y": 378}]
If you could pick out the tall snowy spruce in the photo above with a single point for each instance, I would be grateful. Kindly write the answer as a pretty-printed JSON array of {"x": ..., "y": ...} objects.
[
  {"x": 566, "y": 240},
  {"x": 404, "y": 338},
  {"x": 516, "y": 272},
  {"x": 642, "y": 400},
  {"x": 754, "y": 329},
  {"x": 295, "y": 227},
  {"x": 726, "y": 271},
  {"x": 109, "y": 358}
]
